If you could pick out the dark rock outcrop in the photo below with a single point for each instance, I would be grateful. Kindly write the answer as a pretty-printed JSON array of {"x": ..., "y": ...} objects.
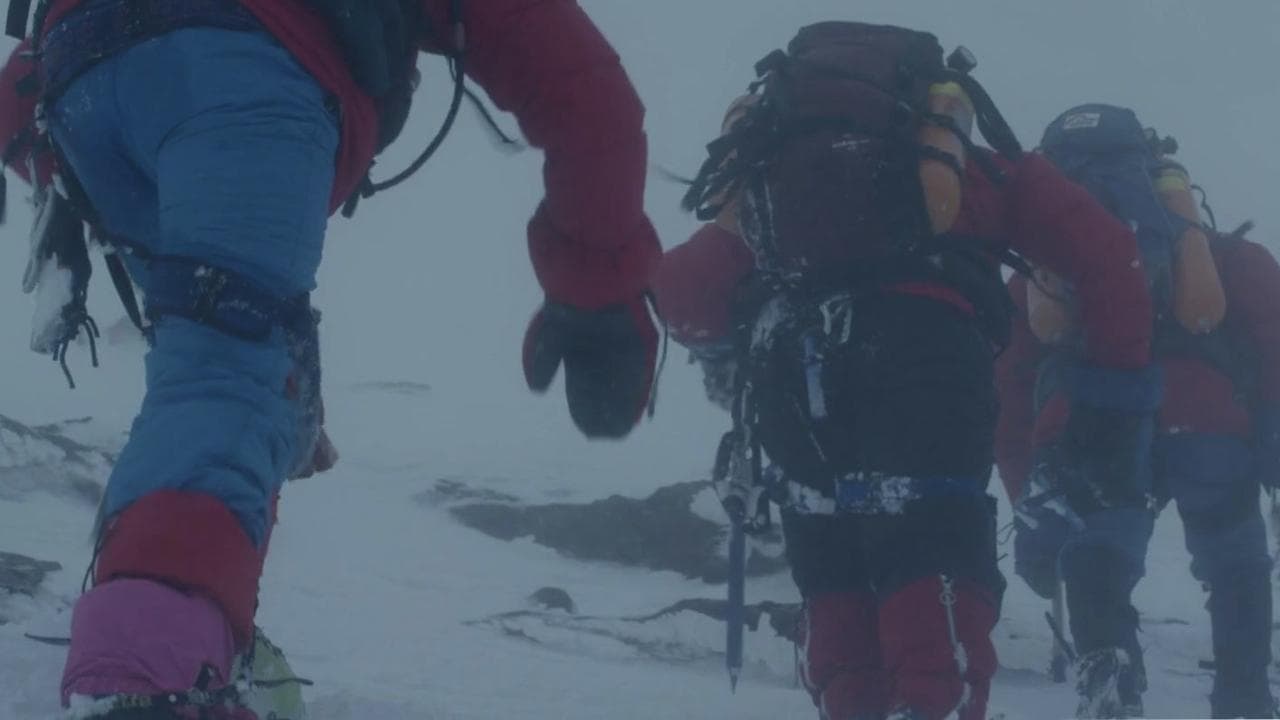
[
  {"x": 22, "y": 574},
  {"x": 44, "y": 458},
  {"x": 660, "y": 532}
]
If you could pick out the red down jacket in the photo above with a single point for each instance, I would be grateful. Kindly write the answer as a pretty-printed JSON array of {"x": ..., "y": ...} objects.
[
  {"x": 1199, "y": 397},
  {"x": 1037, "y": 212},
  {"x": 544, "y": 61}
]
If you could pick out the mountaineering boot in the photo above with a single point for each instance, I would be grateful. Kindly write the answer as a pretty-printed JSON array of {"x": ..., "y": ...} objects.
[
  {"x": 1110, "y": 685},
  {"x": 176, "y": 582},
  {"x": 1104, "y": 627},
  {"x": 138, "y": 641}
]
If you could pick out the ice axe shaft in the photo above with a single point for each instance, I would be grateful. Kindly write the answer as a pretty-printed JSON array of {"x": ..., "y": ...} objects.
[
  {"x": 1058, "y": 663},
  {"x": 735, "y": 611},
  {"x": 1058, "y": 639}
]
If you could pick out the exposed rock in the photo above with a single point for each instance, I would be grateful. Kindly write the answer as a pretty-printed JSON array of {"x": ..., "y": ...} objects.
[
  {"x": 22, "y": 574},
  {"x": 453, "y": 489},
  {"x": 687, "y": 632},
  {"x": 552, "y": 598},
  {"x": 44, "y": 458},
  {"x": 660, "y": 532}
]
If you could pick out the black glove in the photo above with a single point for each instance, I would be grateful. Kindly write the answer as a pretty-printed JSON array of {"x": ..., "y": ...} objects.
[{"x": 608, "y": 356}]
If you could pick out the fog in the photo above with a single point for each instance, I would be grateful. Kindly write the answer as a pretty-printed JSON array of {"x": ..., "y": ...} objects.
[{"x": 431, "y": 283}]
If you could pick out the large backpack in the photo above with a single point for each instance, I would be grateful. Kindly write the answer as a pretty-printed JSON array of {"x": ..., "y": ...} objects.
[
  {"x": 1105, "y": 149},
  {"x": 826, "y": 160},
  {"x": 1127, "y": 168}
]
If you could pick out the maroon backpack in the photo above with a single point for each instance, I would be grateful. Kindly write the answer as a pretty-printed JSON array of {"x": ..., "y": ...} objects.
[{"x": 825, "y": 161}]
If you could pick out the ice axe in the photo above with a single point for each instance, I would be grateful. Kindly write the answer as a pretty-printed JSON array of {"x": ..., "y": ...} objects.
[
  {"x": 737, "y": 480},
  {"x": 1062, "y": 651},
  {"x": 1058, "y": 663},
  {"x": 735, "y": 611}
]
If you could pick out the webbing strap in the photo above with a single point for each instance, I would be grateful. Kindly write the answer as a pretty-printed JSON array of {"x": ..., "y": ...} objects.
[
  {"x": 218, "y": 298},
  {"x": 869, "y": 493},
  {"x": 124, "y": 288}
]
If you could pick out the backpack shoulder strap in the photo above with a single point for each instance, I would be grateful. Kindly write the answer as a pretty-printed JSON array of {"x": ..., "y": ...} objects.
[{"x": 991, "y": 122}]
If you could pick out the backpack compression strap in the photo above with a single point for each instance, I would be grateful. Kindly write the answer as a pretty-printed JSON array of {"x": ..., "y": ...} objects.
[{"x": 731, "y": 153}]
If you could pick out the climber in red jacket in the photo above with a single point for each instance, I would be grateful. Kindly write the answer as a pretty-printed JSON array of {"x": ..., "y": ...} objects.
[{"x": 209, "y": 141}]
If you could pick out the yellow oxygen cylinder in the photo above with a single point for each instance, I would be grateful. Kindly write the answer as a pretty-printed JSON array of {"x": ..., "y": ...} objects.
[
  {"x": 1199, "y": 302},
  {"x": 728, "y": 216},
  {"x": 1051, "y": 316},
  {"x": 942, "y": 185}
]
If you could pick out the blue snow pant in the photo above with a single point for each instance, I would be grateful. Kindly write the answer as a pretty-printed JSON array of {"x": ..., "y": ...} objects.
[
  {"x": 216, "y": 148},
  {"x": 1213, "y": 481},
  {"x": 1099, "y": 554}
]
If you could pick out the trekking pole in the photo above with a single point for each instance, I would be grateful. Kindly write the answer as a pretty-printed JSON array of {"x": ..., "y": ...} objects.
[
  {"x": 735, "y": 611},
  {"x": 1058, "y": 663}
]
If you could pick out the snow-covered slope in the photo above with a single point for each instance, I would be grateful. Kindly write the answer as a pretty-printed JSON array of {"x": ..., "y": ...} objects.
[{"x": 388, "y": 603}]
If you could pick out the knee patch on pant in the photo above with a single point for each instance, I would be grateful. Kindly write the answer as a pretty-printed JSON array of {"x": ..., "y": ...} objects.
[
  {"x": 189, "y": 541},
  {"x": 840, "y": 655},
  {"x": 936, "y": 639}
]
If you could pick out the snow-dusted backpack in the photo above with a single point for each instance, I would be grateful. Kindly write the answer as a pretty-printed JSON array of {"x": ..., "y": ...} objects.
[{"x": 846, "y": 162}]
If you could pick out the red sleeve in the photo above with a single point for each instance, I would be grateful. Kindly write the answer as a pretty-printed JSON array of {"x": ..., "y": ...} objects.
[
  {"x": 696, "y": 283},
  {"x": 1251, "y": 278},
  {"x": 1056, "y": 224},
  {"x": 546, "y": 62},
  {"x": 17, "y": 110},
  {"x": 1015, "y": 382}
]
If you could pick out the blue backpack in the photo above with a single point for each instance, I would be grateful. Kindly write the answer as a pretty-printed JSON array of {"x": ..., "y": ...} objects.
[{"x": 1105, "y": 149}]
